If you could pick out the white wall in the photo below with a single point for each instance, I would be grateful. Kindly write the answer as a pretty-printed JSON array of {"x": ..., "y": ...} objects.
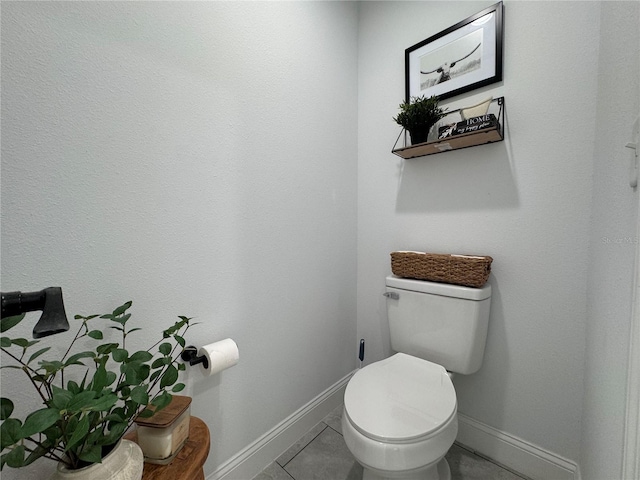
[
  {"x": 613, "y": 243},
  {"x": 525, "y": 202},
  {"x": 197, "y": 158}
]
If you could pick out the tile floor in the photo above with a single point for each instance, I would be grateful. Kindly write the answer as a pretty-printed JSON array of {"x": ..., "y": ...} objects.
[{"x": 322, "y": 455}]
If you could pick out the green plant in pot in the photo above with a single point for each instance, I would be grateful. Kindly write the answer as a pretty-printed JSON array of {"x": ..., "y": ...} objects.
[
  {"x": 90, "y": 398},
  {"x": 418, "y": 115}
]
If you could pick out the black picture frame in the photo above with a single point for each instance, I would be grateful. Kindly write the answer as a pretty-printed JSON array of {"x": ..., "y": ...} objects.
[{"x": 474, "y": 45}]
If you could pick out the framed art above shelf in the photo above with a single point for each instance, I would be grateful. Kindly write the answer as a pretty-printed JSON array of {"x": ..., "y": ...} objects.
[
  {"x": 456, "y": 132},
  {"x": 464, "y": 57}
]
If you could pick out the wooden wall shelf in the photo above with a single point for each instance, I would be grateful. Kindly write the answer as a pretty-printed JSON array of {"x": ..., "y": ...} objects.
[{"x": 455, "y": 142}]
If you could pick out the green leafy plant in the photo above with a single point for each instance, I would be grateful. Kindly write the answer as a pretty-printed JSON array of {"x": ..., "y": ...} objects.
[
  {"x": 418, "y": 116},
  {"x": 85, "y": 415}
]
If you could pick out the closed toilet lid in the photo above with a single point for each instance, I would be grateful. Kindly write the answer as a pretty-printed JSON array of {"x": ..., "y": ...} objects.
[{"x": 400, "y": 398}]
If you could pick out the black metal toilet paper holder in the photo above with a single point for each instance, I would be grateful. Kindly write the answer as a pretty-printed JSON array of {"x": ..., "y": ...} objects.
[{"x": 190, "y": 354}]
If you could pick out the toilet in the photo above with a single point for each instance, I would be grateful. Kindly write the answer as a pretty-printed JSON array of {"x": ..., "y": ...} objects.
[{"x": 400, "y": 413}]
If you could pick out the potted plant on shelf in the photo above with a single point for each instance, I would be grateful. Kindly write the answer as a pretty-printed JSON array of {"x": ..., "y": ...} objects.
[
  {"x": 89, "y": 398},
  {"x": 418, "y": 115}
]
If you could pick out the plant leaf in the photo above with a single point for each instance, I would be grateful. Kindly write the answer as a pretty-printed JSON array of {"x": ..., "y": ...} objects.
[
  {"x": 121, "y": 320},
  {"x": 102, "y": 404},
  {"x": 51, "y": 367},
  {"x": 37, "y": 354},
  {"x": 157, "y": 363},
  {"x": 99, "y": 379},
  {"x": 95, "y": 334},
  {"x": 79, "y": 433},
  {"x": 120, "y": 412},
  {"x": 139, "y": 395},
  {"x": 165, "y": 348},
  {"x": 106, "y": 348},
  {"x": 21, "y": 342},
  {"x": 84, "y": 379},
  {"x": 178, "y": 387},
  {"x": 162, "y": 400},
  {"x": 80, "y": 401},
  {"x": 93, "y": 454},
  {"x": 39, "y": 421},
  {"x": 114, "y": 417},
  {"x": 6, "y": 408},
  {"x": 141, "y": 356},
  {"x": 120, "y": 355},
  {"x": 73, "y": 387},
  {"x": 73, "y": 359},
  {"x": 15, "y": 458},
  {"x": 5, "y": 342},
  {"x": 169, "y": 377},
  {"x": 122, "y": 308},
  {"x": 146, "y": 413},
  {"x": 38, "y": 452},
  {"x": 10, "y": 322},
  {"x": 10, "y": 432},
  {"x": 111, "y": 377},
  {"x": 115, "y": 432},
  {"x": 61, "y": 398},
  {"x": 135, "y": 373}
]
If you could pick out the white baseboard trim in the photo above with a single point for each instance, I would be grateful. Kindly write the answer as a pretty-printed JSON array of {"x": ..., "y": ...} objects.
[
  {"x": 250, "y": 461},
  {"x": 514, "y": 453}
]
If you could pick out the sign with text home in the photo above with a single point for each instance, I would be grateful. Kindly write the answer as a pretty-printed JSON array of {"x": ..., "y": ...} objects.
[{"x": 471, "y": 125}]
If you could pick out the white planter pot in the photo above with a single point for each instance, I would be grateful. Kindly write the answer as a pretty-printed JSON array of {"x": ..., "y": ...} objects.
[{"x": 125, "y": 462}]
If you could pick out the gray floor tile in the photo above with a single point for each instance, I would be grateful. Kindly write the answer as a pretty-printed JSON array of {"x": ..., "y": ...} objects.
[
  {"x": 325, "y": 458},
  {"x": 465, "y": 465},
  {"x": 273, "y": 472},
  {"x": 322, "y": 455},
  {"x": 334, "y": 419},
  {"x": 300, "y": 444}
]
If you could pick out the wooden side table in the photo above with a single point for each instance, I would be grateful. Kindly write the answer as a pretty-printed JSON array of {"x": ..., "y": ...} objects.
[{"x": 188, "y": 464}]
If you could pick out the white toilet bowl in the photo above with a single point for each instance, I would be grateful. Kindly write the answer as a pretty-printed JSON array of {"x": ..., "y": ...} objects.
[{"x": 400, "y": 419}]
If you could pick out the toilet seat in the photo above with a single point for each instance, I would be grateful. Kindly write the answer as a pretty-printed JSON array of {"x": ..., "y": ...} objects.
[{"x": 400, "y": 399}]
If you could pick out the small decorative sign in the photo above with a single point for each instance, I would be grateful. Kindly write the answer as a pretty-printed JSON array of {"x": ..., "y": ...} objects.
[{"x": 471, "y": 125}]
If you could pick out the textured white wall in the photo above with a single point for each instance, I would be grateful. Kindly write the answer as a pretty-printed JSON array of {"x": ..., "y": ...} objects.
[
  {"x": 198, "y": 158},
  {"x": 613, "y": 243},
  {"x": 525, "y": 202}
]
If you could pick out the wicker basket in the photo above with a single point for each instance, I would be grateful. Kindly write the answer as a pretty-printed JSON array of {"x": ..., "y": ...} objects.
[{"x": 467, "y": 270}]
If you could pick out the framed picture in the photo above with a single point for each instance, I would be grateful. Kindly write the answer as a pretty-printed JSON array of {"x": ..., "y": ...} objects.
[{"x": 461, "y": 58}]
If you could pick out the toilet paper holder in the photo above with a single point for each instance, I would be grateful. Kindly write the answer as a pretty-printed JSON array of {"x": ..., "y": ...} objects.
[{"x": 190, "y": 354}]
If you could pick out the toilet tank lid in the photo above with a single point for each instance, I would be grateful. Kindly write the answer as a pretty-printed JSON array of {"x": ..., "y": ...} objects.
[{"x": 443, "y": 289}]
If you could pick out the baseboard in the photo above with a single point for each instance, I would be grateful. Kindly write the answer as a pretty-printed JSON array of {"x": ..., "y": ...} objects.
[
  {"x": 514, "y": 453},
  {"x": 250, "y": 461}
]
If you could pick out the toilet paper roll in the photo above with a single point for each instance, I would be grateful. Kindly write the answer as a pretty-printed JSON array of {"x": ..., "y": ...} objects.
[{"x": 220, "y": 356}]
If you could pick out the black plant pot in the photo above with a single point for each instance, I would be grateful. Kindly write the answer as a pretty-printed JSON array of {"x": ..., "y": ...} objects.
[{"x": 420, "y": 135}]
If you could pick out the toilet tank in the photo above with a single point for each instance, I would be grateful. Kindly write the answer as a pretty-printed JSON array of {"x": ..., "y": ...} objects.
[{"x": 445, "y": 324}]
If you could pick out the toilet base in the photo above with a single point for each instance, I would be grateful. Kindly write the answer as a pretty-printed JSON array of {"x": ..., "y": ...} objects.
[{"x": 439, "y": 471}]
